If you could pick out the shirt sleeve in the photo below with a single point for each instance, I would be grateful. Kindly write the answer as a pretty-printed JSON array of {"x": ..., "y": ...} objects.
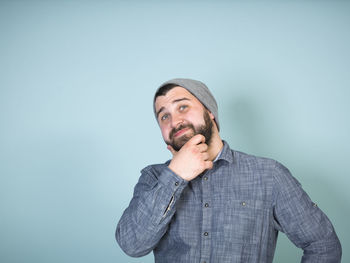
[
  {"x": 303, "y": 221},
  {"x": 147, "y": 217}
]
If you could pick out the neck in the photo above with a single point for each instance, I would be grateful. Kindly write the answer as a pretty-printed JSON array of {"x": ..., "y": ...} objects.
[{"x": 215, "y": 146}]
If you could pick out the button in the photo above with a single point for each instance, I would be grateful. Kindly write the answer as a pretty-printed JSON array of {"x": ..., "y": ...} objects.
[
  {"x": 177, "y": 183},
  {"x": 206, "y": 205},
  {"x": 243, "y": 203},
  {"x": 206, "y": 234},
  {"x": 205, "y": 178}
]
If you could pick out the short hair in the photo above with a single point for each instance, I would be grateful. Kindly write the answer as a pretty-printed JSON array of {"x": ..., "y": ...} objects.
[{"x": 163, "y": 91}]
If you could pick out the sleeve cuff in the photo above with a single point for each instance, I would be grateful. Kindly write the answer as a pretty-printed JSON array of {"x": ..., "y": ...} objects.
[{"x": 171, "y": 180}]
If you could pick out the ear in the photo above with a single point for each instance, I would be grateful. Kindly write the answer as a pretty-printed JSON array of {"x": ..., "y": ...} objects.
[{"x": 211, "y": 115}]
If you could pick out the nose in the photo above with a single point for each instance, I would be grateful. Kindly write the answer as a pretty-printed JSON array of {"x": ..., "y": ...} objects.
[{"x": 176, "y": 120}]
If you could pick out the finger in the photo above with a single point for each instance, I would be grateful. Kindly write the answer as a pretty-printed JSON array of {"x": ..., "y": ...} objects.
[
  {"x": 171, "y": 149},
  {"x": 197, "y": 139},
  {"x": 205, "y": 156},
  {"x": 202, "y": 147}
]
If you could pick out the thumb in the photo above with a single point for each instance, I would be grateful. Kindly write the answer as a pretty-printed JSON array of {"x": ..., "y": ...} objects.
[{"x": 171, "y": 149}]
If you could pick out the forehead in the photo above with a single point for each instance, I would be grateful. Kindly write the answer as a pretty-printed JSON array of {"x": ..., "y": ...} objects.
[{"x": 173, "y": 95}]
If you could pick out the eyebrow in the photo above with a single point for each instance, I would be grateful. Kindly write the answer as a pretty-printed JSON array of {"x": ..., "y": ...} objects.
[{"x": 174, "y": 101}]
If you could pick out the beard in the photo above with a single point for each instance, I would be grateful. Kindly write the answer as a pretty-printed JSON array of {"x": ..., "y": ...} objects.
[{"x": 206, "y": 130}]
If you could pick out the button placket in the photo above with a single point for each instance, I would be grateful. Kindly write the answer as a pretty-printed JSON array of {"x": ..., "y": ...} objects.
[{"x": 206, "y": 218}]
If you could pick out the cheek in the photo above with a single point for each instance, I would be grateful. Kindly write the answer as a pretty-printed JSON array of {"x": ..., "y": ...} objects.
[
  {"x": 196, "y": 119},
  {"x": 165, "y": 133}
]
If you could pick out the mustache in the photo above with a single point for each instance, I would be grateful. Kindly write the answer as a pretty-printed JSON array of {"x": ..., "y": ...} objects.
[{"x": 182, "y": 126}]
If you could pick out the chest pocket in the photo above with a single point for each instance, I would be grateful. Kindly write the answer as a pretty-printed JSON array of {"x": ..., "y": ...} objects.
[{"x": 244, "y": 221}]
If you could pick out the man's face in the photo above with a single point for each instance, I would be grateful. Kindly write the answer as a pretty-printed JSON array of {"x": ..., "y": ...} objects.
[{"x": 180, "y": 116}]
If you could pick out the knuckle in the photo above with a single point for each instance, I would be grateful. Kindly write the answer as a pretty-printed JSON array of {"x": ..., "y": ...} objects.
[{"x": 196, "y": 136}]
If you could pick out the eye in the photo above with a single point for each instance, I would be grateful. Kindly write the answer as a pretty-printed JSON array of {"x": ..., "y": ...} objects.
[
  {"x": 164, "y": 117},
  {"x": 182, "y": 107}
]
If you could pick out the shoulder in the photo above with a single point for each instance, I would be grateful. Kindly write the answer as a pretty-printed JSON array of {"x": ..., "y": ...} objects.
[
  {"x": 267, "y": 169},
  {"x": 278, "y": 172},
  {"x": 249, "y": 161}
]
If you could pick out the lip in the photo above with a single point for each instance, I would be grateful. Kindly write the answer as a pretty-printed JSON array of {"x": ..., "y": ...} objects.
[{"x": 181, "y": 132}]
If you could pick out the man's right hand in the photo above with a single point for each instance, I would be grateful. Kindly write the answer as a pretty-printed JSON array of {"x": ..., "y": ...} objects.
[{"x": 192, "y": 159}]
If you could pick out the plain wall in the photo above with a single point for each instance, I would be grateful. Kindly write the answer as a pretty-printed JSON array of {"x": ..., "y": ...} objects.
[{"x": 77, "y": 80}]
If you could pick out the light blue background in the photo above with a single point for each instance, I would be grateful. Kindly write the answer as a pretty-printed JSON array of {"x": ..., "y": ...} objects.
[{"x": 76, "y": 85}]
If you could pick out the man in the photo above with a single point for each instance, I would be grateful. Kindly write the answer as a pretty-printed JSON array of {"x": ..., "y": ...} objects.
[{"x": 213, "y": 204}]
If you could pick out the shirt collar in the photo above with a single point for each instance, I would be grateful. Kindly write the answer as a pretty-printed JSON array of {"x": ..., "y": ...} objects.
[{"x": 225, "y": 153}]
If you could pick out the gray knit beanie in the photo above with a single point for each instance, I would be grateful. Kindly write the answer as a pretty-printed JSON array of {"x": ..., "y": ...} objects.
[{"x": 199, "y": 90}]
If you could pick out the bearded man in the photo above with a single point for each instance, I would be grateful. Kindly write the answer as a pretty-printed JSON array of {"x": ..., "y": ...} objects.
[{"x": 210, "y": 203}]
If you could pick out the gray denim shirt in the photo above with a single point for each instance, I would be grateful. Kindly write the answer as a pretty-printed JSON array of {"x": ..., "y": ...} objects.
[{"x": 231, "y": 213}]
